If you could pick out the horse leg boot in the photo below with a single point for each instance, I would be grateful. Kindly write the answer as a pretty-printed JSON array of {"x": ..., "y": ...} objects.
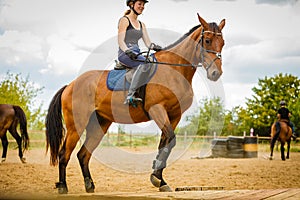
[
  {"x": 140, "y": 77},
  {"x": 160, "y": 163}
]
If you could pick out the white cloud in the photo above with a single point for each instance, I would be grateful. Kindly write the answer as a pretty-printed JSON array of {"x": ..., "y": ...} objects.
[
  {"x": 17, "y": 47},
  {"x": 277, "y": 2},
  {"x": 63, "y": 57},
  {"x": 236, "y": 94}
]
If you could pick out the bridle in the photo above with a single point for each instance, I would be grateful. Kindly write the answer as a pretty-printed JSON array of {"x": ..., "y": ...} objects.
[
  {"x": 202, "y": 49},
  {"x": 202, "y": 56}
]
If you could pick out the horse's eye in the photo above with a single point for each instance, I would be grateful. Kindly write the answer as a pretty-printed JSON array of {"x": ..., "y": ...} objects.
[{"x": 207, "y": 41}]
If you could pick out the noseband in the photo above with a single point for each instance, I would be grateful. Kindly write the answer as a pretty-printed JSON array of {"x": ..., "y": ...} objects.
[{"x": 204, "y": 50}]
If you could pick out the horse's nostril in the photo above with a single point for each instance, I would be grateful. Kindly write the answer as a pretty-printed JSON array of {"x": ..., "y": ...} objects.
[{"x": 215, "y": 74}]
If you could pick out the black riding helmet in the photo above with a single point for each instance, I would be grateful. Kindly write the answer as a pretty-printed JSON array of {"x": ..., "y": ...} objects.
[
  {"x": 128, "y": 1},
  {"x": 282, "y": 103}
]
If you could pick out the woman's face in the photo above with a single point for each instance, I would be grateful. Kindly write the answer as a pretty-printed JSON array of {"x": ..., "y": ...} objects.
[{"x": 139, "y": 6}]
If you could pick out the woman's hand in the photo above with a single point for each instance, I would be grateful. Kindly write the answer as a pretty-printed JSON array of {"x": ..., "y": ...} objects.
[
  {"x": 156, "y": 47},
  {"x": 131, "y": 54}
]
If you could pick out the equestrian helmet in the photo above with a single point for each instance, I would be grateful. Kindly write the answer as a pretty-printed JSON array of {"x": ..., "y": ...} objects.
[
  {"x": 128, "y": 1},
  {"x": 282, "y": 103}
]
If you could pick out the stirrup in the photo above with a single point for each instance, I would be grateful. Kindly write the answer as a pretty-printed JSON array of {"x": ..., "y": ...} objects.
[{"x": 132, "y": 100}]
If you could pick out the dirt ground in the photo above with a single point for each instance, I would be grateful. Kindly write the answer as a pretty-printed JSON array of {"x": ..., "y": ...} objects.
[{"x": 37, "y": 178}]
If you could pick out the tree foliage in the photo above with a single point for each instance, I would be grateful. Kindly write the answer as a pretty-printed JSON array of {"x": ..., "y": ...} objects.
[
  {"x": 259, "y": 114},
  {"x": 21, "y": 91},
  {"x": 208, "y": 120}
]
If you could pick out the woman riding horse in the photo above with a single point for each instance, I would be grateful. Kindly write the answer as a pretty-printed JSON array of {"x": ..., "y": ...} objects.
[
  {"x": 282, "y": 130},
  {"x": 88, "y": 104},
  {"x": 131, "y": 30}
]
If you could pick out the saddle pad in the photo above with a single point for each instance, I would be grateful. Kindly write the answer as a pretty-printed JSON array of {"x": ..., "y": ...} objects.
[{"x": 116, "y": 79}]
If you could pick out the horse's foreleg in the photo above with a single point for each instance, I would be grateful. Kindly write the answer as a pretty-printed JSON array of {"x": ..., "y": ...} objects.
[
  {"x": 282, "y": 151},
  {"x": 167, "y": 142},
  {"x": 4, "y": 146},
  {"x": 165, "y": 147},
  {"x": 94, "y": 134}
]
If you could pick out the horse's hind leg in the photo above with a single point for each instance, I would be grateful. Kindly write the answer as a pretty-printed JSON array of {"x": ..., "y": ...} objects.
[
  {"x": 14, "y": 133},
  {"x": 272, "y": 144},
  {"x": 95, "y": 131},
  {"x": 4, "y": 145},
  {"x": 288, "y": 149},
  {"x": 282, "y": 151},
  {"x": 70, "y": 142}
]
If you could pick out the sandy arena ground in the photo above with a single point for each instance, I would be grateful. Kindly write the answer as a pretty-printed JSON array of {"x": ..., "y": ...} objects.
[{"x": 37, "y": 178}]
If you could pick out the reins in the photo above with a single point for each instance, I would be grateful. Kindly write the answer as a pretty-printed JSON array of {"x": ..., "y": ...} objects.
[
  {"x": 202, "y": 50},
  {"x": 147, "y": 61}
]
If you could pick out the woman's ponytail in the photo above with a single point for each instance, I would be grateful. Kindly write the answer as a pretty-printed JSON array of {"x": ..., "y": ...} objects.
[{"x": 127, "y": 12}]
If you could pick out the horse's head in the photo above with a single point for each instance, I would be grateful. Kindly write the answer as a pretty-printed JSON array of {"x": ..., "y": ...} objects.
[{"x": 211, "y": 43}]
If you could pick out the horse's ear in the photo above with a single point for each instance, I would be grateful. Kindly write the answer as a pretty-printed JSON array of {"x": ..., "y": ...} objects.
[
  {"x": 203, "y": 22},
  {"x": 222, "y": 24}
]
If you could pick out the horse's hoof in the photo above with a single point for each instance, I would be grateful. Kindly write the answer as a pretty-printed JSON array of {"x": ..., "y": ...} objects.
[
  {"x": 62, "y": 191},
  {"x": 165, "y": 188},
  {"x": 3, "y": 160},
  {"x": 62, "y": 188},
  {"x": 89, "y": 185},
  {"x": 23, "y": 160},
  {"x": 154, "y": 180},
  {"x": 270, "y": 158}
]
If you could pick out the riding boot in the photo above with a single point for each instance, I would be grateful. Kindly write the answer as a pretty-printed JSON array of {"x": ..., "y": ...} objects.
[
  {"x": 294, "y": 136},
  {"x": 140, "y": 77}
]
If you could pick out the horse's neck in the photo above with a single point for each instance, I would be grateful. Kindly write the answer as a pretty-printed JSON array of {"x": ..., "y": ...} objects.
[{"x": 183, "y": 53}]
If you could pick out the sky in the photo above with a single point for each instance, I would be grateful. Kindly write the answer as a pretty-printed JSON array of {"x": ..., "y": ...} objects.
[{"x": 51, "y": 40}]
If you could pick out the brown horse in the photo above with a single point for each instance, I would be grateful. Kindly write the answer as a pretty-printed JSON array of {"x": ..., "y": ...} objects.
[
  {"x": 87, "y": 104},
  {"x": 10, "y": 117},
  {"x": 283, "y": 137}
]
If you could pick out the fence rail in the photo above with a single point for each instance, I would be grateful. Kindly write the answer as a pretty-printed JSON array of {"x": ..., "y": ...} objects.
[{"x": 132, "y": 139}]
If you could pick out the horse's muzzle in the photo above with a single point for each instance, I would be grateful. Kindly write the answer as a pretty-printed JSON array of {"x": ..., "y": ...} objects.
[{"x": 214, "y": 75}]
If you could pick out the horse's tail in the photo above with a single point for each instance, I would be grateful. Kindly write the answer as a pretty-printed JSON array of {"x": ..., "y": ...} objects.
[
  {"x": 23, "y": 126},
  {"x": 54, "y": 127}
]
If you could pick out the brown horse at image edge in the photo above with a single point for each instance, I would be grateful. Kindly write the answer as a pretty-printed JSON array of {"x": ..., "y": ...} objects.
[
  {"x": 87, "y": 104},
  {"x": 10, "y": 117}
]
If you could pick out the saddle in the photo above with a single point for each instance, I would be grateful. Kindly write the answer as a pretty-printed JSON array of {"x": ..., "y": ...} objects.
[{"x": 120, "y": 77}]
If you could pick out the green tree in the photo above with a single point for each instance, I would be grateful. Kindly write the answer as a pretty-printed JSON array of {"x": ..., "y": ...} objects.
[
  {"x": 16, "y": 90},
  {"x": 295, "y": 118},
  {"x": 208, "y": 120},
  {"x": 262, "y": 107}
]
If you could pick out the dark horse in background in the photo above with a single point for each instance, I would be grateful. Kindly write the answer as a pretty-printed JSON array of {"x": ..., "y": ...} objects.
[
  {"x": 10, "y": 117},
  {"x": 87, "y": 104},
  {"x": 284, "y": 136}
]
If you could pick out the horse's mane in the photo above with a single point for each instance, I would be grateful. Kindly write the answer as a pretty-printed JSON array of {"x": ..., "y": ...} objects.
[
  {"x": 213, "y": 26},
  {"x": 182, "y": 38}
]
